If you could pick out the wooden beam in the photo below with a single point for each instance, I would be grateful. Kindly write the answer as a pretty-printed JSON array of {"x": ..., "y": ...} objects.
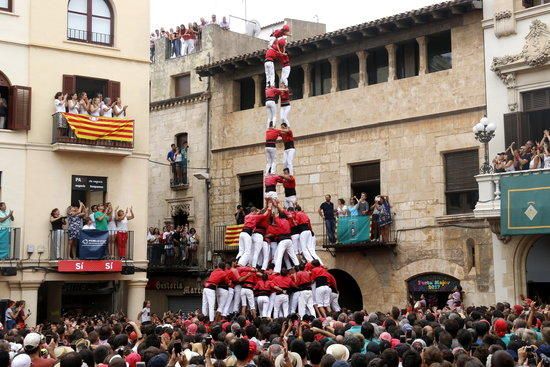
[
  {"x": 438, "y": 14},
  {"x": 354, "y": 36}
]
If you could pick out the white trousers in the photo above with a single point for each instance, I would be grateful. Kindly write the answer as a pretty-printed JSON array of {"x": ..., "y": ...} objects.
[
  {"x": 246, "y": 241},
  {"x": 221, "y": 298},
  {"x": 290, "y": 201},
  {"x": 288, "y": 159},
  {"x": 247, "y": 298},
  {"x": 257, "y": 245},
  {"x": 296, "y": 243},
  {"x": 305, "y": 240},
  {"x": 305, "y": 303},
  {"x": 236, "y": 305},
  {"x": 270, "y": 160},
  {"x": 263, "y": 306},
  {"x": 285, "y": 72},
  {"x": 190, "y": 43},
  {"x": 271, "y": 109},
  {"x": 3, "y": 122},
  {"x": 273, "y": 251},
  {"x": 285, "y": 110},
  {"x": 271, "y": 304},
  {"x": 293, "y": 304},
  {"x": 208, "y": 303},
  {"x": 227, "y": 307},
  {"x": 334, "y": 305},
  {"x": 265, "y": 255},
  {"x": 284, "y": 247},
  {"x": 322, "y": 296},
  {"x": 281, "y": 306},
  {"x": 311, "y": 248},
  {"x": 269, "y": 74}
]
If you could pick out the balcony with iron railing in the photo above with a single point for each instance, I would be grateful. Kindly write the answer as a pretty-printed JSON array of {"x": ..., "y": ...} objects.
[
  {"x": 60, "y": 247},
  {"x": 80, "y": 35},
  {"x": 10, "y": 242},
  {"x": 64, "y": 138},
  {"x": 178, "y": 176},
  {"x": 162, "y": 261}
]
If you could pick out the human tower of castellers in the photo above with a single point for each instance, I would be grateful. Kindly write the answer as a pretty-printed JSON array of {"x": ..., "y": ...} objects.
[{"x": 277, "y": 271}]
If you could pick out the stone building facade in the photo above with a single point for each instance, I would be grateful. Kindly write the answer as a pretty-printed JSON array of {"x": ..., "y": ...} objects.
[
  {"x": 409, "y": 124},
  {"x": 517, "y": 44}
]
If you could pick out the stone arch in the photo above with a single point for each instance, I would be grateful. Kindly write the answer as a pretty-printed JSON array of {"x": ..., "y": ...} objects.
[
  {"x": 519, "y": 264},
  {"x": 4, "y": 80},
  {"x": 351, "y": 296}
]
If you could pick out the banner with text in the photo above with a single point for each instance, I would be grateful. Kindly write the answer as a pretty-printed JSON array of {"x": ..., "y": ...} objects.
[
  {"x": 525, "y": 204},
  {"x": 353, "y": 229},
  {"x": 92, "y": 244}
]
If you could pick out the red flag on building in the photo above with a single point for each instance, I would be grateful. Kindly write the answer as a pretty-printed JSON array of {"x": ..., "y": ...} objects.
[{"x": 232, "y": 234}]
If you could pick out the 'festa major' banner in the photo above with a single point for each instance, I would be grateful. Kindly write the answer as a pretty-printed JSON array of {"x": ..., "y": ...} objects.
[
  {"x": 525, "y": 204},
  {"x": 92, "y": 244},
  {"x": 354, "y": 229},
  {"x": 98, "y": 127}
]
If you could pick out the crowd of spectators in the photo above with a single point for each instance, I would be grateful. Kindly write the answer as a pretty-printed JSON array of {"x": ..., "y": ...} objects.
[
  {"x": 101, "y": 217},
  {"x": 531, "y": 155},
  {"x": 173, "y": 246},
  {"x": 184, "y": 40},
  {"x": 496, "y": 336},
  {"x": 379, "y": 212},
  {"x": 79, "y": 103}
]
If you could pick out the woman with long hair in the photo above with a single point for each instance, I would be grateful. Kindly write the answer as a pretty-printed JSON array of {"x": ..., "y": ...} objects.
[
  {"x": 384, "y": 218},
  {"x": 122, "y": 219},
  {"x": 94, "y": 107},
  {"x": 20, "y": 316},
  {"x": 74, "y": 220},
  {"x": 193, "y": 246},
  {"x": 57, "y": 221},
  {"x": 83, "y": 103}
]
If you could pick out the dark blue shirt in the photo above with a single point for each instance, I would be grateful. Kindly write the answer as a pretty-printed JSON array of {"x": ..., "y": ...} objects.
[
  {"x": 328, "y": 210},
  {"x": 170, "y": 155}
]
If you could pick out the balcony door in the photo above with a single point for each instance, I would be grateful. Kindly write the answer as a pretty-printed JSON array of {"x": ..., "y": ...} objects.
[{"x": 536, "y": 271}]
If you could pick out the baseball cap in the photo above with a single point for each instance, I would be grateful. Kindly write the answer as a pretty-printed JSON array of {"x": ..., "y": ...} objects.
[{"x": 32, "y": 340}]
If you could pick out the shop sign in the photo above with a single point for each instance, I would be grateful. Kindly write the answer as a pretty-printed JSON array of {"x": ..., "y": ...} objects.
[
  {"x": 172, "y": 285},
  {"x": 432, "y": 283},
  {"x": 89, "y": 183},
  {"x": 92, "y": 266}
]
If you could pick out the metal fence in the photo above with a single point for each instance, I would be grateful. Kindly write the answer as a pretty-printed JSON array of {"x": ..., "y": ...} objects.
[
  {"x": 178, "y": 176},
  {"x": 62, "y": 133},
  {"x": 170, "y": 51},
  {"x": 60, "y": 246},
  {"x": 10, "y": 240},
  {"x": 91, "y": 37}
]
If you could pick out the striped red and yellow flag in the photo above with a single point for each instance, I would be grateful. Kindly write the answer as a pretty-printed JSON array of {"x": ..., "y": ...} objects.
[
  {"x": 98, "y": 127},
  {"x": 232, "y": 234}
]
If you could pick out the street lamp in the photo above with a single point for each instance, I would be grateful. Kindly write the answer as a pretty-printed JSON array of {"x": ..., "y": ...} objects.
[{"x": 484, "y": 131}]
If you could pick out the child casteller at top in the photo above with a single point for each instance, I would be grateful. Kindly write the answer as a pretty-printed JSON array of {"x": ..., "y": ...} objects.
[{"x": 276, "y": 51}]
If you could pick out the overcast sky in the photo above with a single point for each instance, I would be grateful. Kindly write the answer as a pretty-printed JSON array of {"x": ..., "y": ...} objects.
[{"x": 334, "y": 13}]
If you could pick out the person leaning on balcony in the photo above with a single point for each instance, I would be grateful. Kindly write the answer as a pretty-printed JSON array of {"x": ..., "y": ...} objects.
[
  {"x": 60, "y": 105},
  {"x": 184, "y": 161},
  {"x": 193, "y": 246},
  {"x": 3, "y": 112},
  {"x": 73, "y": 105},
  {"x": 101, "y": 218},
  {"x": 326, "y": 211},
  {"x": 224, "y": 24},
  {"x": 75, "y": 214},
  {"x": 6, "y": 217},
  {"x": 57, "y": 221},
  {"x": 384, "y": 218},
  {"x": 95, "y": 107},
  {"x": 119, "y": 110},
  {"x": 83, "y": 103},
  {"x": 122, "y": 219}
]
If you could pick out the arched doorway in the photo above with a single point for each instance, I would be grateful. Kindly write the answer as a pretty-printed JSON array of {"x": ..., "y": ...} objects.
[
  {"x": 435, "y": 287},
  {"x": 180, "y": 216},
  {"x": 350, "y": 293},
  {"x": 536, "y": 270}
]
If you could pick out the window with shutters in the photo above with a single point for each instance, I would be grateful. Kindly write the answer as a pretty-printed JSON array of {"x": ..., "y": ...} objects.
[
  {"x": 348, "y": 72},
  {"x": 182, "y": 85},
  {"x": 377, "y": 65},
  {"x": 15, "y": 105},
  {"x": 320, "y": 78},
  {"x": 440, "y": 56},
  {"x": 365, "y": 177},
  {"x": 247, "y": 93},
  {"x": 90, "y": 21},
  {"x": 6, "y": 5},
  {"x": 461, "y": 190},
  {"x": 407, "y": 59},
  {"x": 93, "y": 87},
  {"x": 251, "y": 189}
]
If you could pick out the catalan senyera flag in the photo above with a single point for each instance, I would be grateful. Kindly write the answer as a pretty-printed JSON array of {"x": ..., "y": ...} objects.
[
  {"x": 232, "y": 234},
  {"x": 99, "y": 127}
]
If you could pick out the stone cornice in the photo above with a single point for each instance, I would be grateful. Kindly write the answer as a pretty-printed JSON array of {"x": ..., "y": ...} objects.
[{"x": 178, "y": 101}]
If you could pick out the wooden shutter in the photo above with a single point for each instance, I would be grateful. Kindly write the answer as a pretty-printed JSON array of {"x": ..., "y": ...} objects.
[
  {"x": 536, "y": 100},
  {"x": 113, "y": 90},
  {"x": 69, "y": 84},
  {"x": 460, "y": 169},
  {"x": 367, "y": 172},
  {"x": 19, "y": 108},
  {"x": 516, "y": 128}
]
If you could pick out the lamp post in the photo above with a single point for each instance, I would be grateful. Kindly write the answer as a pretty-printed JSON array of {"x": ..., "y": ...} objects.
[{"x": 484, "y": 131}]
